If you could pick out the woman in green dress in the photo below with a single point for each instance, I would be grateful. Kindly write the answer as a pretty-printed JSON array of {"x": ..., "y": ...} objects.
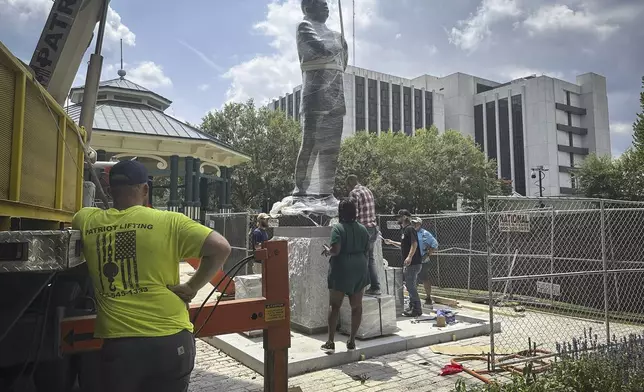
[{"x": 348, "y": 270}]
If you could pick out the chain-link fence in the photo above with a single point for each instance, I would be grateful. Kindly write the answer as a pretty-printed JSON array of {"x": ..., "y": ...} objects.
[
  {"x": 459, "y": 266},
  {"x": 235, "y": 227},
  {"x": 576, "y": 264}
]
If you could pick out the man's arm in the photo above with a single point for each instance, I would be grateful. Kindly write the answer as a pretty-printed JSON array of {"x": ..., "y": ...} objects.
[
  {"x": 214, "y": 253},
  {"x": 412, "y": 249},
  {"x": 196, "y": 240}
]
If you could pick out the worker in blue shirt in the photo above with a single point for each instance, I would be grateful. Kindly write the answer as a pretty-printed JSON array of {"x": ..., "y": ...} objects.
[{"x": 428, "y": 245}]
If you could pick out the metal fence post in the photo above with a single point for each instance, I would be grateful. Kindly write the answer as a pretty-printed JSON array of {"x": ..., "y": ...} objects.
[
  {"x": 489, "y": 281},
  {"x": 249, "y": 266},
  {"x": 605, "y": 265},
  {"x": 469, "y": 259},
  {"x": 552, "y": 255},
  {"x": 438, "y": 263}
]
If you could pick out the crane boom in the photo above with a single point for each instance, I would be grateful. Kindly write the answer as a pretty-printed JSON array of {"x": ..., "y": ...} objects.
[{"x": 65, "y": 38}]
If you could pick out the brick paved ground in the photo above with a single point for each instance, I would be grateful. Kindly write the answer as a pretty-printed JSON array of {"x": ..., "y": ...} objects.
[{"x": 415, "y": 370}]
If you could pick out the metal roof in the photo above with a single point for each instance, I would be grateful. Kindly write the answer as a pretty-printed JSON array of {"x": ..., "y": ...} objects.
[
  {"x": 123, "y": 83},
  {"x": 141, "y": 120}
]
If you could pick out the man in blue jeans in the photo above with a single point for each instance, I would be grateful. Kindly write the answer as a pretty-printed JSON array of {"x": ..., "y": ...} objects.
[
  {"x": 412, "y": 262},
  {"x": 366, "y": 215},
  {"x": 428, "y": 245}
]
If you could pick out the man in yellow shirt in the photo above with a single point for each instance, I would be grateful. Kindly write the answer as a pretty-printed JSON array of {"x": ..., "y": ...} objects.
[{"x": 133, "y": 255}]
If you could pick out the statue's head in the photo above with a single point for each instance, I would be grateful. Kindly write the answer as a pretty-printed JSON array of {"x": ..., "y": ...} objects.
[{"x": 317, "y": 10}]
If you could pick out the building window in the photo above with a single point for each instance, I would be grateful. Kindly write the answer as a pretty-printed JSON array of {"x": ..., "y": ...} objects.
[
  {"x": 481, "y": 88},
  {"x": 101, "y": 97},
  {"x": 490, "y": 109},
  {"x": 407, "y": 110},
  {"x": 360, "y": 104},
  {"x": 395, "y": 100},
  {"x": 373, "y": 105},
  {"x": 479, "y": 132},
  {"x": 418, "y": 108},
  {"x": 289, "y": 109},
  {"x": 283, "y": 104},
  {"x": 384, "y": 106},
  {"x": 504, "y": 148},
  {"x": 298, "y": 95},
  {"x": 517, "y": 139},
  {"x": 429, "y": 114}
]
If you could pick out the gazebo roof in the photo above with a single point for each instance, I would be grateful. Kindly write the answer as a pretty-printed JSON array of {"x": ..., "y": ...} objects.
[{"x": 129, "y": 119}]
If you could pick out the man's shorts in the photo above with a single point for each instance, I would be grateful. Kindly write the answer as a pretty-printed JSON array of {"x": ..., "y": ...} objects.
[{"x": 423, "y": 276}]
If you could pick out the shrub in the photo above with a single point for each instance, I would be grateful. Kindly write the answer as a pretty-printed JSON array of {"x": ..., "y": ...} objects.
[{"x": 616, "y": 367}]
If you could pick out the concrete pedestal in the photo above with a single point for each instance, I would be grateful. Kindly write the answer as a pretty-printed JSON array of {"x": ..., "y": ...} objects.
[
  {"x": 308, "y": 270},
  {"x": 378, "y": 317},
  {"x": 394, "y": 287}
]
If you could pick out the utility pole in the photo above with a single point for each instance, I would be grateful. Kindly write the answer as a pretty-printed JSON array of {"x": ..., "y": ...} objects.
[{"x": 541, "y": 172}]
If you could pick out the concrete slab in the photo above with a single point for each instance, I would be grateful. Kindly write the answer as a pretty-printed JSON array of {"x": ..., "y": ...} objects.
[{"x": 305, "y": 354}]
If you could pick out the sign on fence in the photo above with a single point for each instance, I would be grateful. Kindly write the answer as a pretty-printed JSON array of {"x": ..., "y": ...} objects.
[
  {"x": 273, "y": 223},
  {"x": 518, "y": 223},
  {"x": 549, "y": 289},
  {"x": 393, "y": 225}
]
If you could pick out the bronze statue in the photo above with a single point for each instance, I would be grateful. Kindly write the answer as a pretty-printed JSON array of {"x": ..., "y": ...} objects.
[{"x": 323, "y": 57}]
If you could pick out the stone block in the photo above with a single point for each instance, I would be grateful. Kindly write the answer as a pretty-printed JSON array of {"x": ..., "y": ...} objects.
[
  {"x": 308, "y": 270},
  {"x": 378, "y": 317},
  {"x": 249, "y": 286},
  {"x": 380, "y": 265},
  {"x": 394, "y": 287}
]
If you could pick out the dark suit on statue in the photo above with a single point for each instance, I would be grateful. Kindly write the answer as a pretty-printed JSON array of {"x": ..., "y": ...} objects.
[{"x": 323, "y": 58}]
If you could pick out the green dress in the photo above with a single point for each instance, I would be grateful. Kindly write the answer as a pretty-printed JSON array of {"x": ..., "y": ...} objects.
[{"x": 349, "y": 271}]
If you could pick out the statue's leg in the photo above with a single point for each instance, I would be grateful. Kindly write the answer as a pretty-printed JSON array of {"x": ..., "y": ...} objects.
[
  {"x": 329, "y": 140},
  {"x": 304, "y": 164}
]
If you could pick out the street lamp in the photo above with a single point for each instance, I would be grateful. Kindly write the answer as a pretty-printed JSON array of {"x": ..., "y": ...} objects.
[{"x": 540, "y": 172}]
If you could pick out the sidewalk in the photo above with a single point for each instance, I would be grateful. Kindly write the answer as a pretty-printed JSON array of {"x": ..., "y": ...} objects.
[{"x": 415, "y": 370}]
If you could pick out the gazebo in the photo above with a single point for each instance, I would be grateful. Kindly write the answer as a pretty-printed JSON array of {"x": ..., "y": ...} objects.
[{"x": 129, "y": 121}]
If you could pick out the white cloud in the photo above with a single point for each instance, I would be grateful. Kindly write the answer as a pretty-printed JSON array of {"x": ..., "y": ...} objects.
[
  {"x": 268, "y": 76},
  {"x": 557, "y": 17},
  {"x": 473, "y": 31},
  {"x": 621, "y": 128},
  {"x": 115, "y": 30},
  {"x": 398, "y": 36},
  {"x": 203, "y": 87},
  {"x": 149, "y": 75},
  {"x": 24, "y": 14}
]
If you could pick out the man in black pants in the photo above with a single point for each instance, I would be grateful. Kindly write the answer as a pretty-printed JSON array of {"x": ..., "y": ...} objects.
[
  {"x": 412, "y": 261},
  {"x": 133, "y": 254}
]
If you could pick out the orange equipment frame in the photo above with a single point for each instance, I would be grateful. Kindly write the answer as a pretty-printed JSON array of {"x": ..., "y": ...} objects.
[{"x": 270, "y": 313}]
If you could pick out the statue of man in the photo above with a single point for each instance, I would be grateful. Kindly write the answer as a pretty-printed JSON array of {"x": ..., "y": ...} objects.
[{"x": 323, "y": 57}]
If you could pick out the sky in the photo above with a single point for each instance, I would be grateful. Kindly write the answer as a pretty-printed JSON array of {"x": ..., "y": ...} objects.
[{"x": 204, "y": 53}]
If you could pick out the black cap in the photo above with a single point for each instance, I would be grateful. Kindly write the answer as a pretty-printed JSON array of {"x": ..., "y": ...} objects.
[
  {"x": 404, "y": 213},
  {"x": 128, "y": 173}
]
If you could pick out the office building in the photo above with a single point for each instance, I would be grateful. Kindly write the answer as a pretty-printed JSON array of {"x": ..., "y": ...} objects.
[{"x": 523, "y": 124}]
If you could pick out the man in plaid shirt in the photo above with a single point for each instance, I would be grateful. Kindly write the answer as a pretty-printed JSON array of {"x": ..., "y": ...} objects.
[{"x": 366, "y": 209}]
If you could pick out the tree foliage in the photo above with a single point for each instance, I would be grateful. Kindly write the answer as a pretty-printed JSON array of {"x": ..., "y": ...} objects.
[
  {"x": 269, "y": 138},
  {"x": 424, "y": 173},
  {"x": 621, "y": 178}
]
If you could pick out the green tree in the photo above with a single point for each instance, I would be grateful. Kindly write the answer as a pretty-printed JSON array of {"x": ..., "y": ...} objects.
[
  {"x": 620, "y": 178},
  {"x": 600, "y": 176},
  {"x": 638, "y": 126},
  {"x": 424, "y": 173},
  {"x": 272, "y": 142}
]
